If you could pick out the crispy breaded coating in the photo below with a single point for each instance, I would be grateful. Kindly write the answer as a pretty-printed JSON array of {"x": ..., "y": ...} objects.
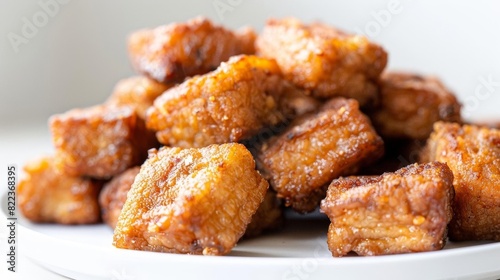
[
  {"x": 139, "y": 92},
  {"x": 228, "y": 105},
  {"x": 410, "y": 104},
  {"x": 269, "y": 216},
  {"x": 170, "y": 53},
  {"x": 100, "y": 141},
  {"x": 47, "y": 195},
  {"x": 114, "y": 194},
  {"x": 323, "y": 60},
  {"x": 401, "y": 212},
  {"x": 473, "y": 154},
  {"x": 191, "y": 201},
  {"x": 317, "y": 148}
]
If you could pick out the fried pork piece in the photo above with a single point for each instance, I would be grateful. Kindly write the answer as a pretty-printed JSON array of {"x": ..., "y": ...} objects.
[
  {"x": 323, "y": 60},
  {"x": 114, "y": 194},
  {"x": 191, "y": 201},
  {"x": 269, "y": 216},
  {"x": 47, "y": 195},
  {"x": 473, "y": 154},
  {"x": 317, "y": 148},
  {"x": 139, "y": 92},
  {"x": 228, "y": 105},
  {"x": 173, "y": 52},
  {"x": 402, "y": 212},
  {"x": 100, "y": 141},
  {"x": 411, "y": 104}
]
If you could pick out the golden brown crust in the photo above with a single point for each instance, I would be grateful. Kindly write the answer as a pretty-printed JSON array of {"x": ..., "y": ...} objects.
[
  {"x": 191, "y": 201},
  {"x": 401, "y": 212},
  {"x": 473, "y": 154},
  {"x": 316, "y": 149},
  {"x": 269, "y": 215},
  {"x": 323, "y": 60},
  {"x": 228, "y": 105},
  {"x": 170, "y": 53},
  {"x": 47, "y": 195},
  {"x": 138, "y": 92},
  {"x": 114, "y": 194},
  {"x": 410, "y": 104},
  {"x": 100, "y": 141}
]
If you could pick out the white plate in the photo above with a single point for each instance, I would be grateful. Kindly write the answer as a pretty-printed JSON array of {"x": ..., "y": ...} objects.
[{"x": 297, "y": 252}]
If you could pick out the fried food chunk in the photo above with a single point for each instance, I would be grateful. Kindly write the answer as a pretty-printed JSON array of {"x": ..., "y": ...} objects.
[
  {"x": 228, "y": 105},
  {"x": 317, "y": 148},
  {"x": 473, "y": 154},
  {"x": 170, "y": 53},
  {"x": 269, "y": 216},
  {"x": 410, "y": 104},
  {"x": 114, "y": 194},
  {"x": 323, "y": 60},
  {"x": 47, "y": 195},
  {"x": 139, "y": 92},
  {"x": 402, "y": 212},
  {"x": 100, "y": 141},
  {"x": 191, "y": 201}
]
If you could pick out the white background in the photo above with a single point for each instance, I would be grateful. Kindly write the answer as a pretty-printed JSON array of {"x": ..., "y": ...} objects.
[{"x": 75, "y": 57}]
